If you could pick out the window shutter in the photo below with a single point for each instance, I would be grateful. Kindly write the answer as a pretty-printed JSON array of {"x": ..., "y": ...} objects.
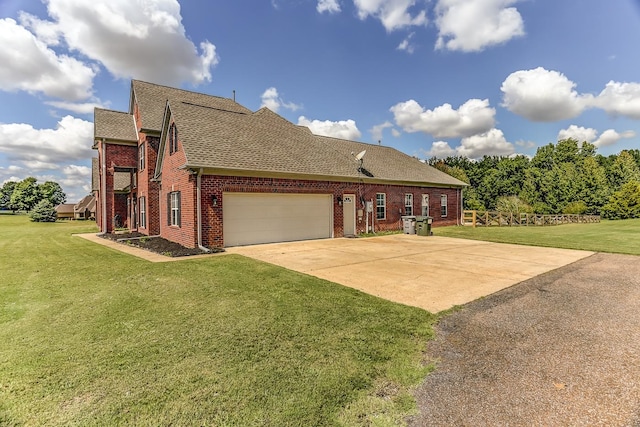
[{"x": 168, "y": 208}]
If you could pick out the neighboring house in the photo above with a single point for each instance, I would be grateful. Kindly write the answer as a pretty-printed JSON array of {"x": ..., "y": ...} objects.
[
  {"x": 202, "y": 170},
  {"x": 65, "y": 211},
  {"x": 85, "y": 208}
]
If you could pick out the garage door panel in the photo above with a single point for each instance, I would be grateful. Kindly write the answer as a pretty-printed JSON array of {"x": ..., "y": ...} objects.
[{"x": 252, "y": 218}]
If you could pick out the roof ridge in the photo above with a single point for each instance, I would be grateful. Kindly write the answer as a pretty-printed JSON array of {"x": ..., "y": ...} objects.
[
  {"x": 210, "y": 108},
  {"x": 112, "y": 111},
  {"x": 182, "y": 90}
]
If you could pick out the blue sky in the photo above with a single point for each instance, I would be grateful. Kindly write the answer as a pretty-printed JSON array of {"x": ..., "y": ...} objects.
[{"x": 436, "y": 77}]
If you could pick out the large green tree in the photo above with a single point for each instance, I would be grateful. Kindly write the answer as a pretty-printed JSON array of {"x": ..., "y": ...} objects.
[
  {"x": 5, "y": 195},
  {"x": 25, "y": 195},
  {"x": 52, "y": 192},
  {"x": 624, "y": 203}
]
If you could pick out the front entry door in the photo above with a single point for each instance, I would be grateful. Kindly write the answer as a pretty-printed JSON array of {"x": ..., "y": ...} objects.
[{"x": 349, "y": 214}]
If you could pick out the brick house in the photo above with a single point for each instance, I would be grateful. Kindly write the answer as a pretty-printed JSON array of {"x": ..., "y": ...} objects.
[{"x": 205, "y": 171}]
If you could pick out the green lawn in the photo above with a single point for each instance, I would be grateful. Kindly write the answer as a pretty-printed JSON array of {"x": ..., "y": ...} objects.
[
  {"x": 607, "y": 236},
  {"x": 91, "y": 336}
]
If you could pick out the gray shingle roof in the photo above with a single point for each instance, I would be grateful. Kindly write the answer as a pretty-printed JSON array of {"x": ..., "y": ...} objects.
[
  {"x": 121, "y": 181},
  {"x": 152, "y": 100},
  {"x": 265, "y": 142},
  {"x": 95, "y": 174},
  {"x": 114, "y": 125}
]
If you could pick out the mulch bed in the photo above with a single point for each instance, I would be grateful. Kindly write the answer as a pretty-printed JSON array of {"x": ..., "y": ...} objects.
[{"x": 156, "y": 244}]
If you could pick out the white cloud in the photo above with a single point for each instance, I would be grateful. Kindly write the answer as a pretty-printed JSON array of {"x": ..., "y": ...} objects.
[
  {"x": 473, "y": 25},
  {"x": 134, "y": 38},
  {"x": 581, "y": 134},
  {"x": 578, "y": 133},
  {"x": 75, "y": 176},
  {"x": 343, "y": 129},
  {"x": 406, "y": 44},
  {"x": 142, "y": 39},
  {"x": 395, "y": 132},
  {"x": 620, "y": 99},
  {"x": 44, "y": 148},
  {"x": 78, "y": 107},
  {"x": 492, "y": 143},
  {"x": 271, "y": 99},
  {"x": 29, "y": 65},
  {"x": 526, "y": 144},
  {"x": 473, "y": 117},
  {"x": 610, "y": 137},
  {"x": 329, "y": 6},
  {"x": 543, "y": 96},
  {"x": 376, "y": 131},
  {"x": 440, "y": 149},
  {"x": 393, "y": 14}
]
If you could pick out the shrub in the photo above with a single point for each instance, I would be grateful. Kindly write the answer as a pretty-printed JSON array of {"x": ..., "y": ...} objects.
[
  {"x": 575, "y": 208},
  {"x": 43, "y": 211},
  {"x": 512, "y": 204}
]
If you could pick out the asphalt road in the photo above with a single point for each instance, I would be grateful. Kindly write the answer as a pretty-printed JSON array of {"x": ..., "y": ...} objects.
[{"x": 560, "y": 349}]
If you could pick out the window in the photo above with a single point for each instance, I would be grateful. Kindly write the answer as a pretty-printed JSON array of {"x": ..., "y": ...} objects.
[
  {"x": 408, "y": 204},
  {"x": 425, "y": 205},
  {"x": 443, "y": 205},
  {"x": 142, "y": 209},
  {"x": 174, "y": 208},
  {"x": 381, "y": 206},
  {"x": 173, "y": 138},
  {"x": 141, "y": 153}
]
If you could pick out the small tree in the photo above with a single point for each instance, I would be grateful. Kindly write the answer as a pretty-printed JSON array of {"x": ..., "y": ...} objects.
[
  {"x": 575, "y": 208},
  {"x": 513, "y": 205},
  {"x": 44, "y": 211},
  {"x": 625, "y": 203}
]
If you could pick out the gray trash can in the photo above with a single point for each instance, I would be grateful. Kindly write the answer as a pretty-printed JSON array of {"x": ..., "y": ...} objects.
[{"x": 409, "y": 224}]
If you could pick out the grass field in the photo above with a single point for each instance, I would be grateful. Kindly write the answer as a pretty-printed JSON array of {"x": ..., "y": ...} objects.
[
  {"x": 607, "y": 236},
  {"x": 91, "y": 336}
]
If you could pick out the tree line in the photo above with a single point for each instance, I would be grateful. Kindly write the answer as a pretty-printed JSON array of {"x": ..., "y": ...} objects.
[
  {"x": 39, "y": 200},
  {"x": 566, "y": 177}
]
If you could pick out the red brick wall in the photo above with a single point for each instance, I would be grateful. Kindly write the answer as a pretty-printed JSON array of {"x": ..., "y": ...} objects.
[
  {"x": 115, "y": 155},
  {"x": 148, "y": 188},
  {"x": 176, "y": 179},
  {"x": 217, "y": 185}
]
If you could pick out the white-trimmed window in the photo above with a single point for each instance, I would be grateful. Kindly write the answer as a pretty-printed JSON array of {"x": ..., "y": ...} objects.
[
  {"x": 425, "y": 205},
  {"x": 408, "y": 204},
  {"x": 142, "y": 212},
  {"x": 141, "y": 153},
  {"x": 381, "y": 205},
  {"x": 174, "y": 208},
  {"x": 443, "y": 205}
]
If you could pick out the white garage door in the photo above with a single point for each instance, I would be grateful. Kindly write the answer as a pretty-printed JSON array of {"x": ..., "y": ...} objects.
[{"x": 252, "y": 218}]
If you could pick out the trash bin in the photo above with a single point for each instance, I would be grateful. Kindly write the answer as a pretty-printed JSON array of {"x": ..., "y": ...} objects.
[
  {"x": 423, "y": 225},
  {"x": 409, "y": 224}
]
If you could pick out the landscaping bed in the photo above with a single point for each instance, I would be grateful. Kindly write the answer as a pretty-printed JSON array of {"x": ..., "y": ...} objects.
[{"x": 156, "y": 244}]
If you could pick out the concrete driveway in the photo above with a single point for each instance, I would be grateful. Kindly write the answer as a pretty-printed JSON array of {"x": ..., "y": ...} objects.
[{"x": 434, "y": 273}]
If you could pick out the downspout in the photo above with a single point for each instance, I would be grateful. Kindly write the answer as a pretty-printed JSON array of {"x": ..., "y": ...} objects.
[
  {"x": 103, "y": 191},
  {"x": 199, "y": 209}
]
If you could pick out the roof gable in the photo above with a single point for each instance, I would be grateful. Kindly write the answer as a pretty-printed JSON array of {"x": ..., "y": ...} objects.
[
  {"x": 114, "y": 125},
  {"x": 152, "y": 99}
]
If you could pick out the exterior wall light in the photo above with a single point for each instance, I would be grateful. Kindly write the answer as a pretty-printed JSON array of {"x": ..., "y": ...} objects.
[
  {"x": 339, "y": 200},
  {"x": 214, "y": 200}
]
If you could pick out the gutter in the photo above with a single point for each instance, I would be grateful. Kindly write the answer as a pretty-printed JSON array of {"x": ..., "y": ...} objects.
[
  {"x": 103, "y": 192},
  {"x": 199, "y": 210}
]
